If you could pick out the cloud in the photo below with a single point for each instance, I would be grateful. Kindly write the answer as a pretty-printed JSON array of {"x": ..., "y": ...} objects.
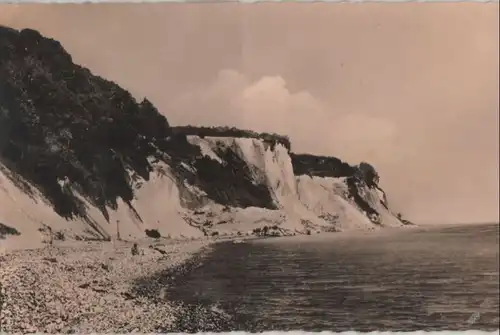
[{"x": 268, "y": 105}]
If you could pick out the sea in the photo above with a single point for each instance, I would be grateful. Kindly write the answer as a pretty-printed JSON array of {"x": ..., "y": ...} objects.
[{"x": 425, "y": 278}]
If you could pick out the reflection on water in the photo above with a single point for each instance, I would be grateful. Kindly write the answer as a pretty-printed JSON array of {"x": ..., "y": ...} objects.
[{"x": 432, "y": 279}]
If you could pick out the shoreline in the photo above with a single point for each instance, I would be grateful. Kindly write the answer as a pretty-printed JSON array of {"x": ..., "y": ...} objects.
[{"x": 98, "y": 286}]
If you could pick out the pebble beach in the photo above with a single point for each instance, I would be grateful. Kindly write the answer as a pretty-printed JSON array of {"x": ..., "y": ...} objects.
[{"x": 92, "y": 286}]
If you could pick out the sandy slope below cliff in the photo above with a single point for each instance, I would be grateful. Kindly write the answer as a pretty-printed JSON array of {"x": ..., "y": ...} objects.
[{"x": 156, "y": 204}]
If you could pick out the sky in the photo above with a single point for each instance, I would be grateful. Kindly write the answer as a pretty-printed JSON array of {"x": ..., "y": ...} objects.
[{"x": 412, "y": 88}]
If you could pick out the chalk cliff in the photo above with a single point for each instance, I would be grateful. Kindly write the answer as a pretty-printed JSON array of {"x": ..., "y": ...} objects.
[{"x": 80, "y": 158}]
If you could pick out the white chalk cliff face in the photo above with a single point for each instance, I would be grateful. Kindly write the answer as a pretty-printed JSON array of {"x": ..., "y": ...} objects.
[
  {"x": 304, "y": 204},
  {"x": 299, "y": 204},
  {"x": 80, "y": 158}
]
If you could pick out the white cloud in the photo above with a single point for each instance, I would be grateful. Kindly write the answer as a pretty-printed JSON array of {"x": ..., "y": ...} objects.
[{"x": 268, "y": 105}]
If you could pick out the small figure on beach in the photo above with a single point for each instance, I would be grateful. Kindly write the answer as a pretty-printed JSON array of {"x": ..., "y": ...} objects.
[{"x": 135, "y": 250}]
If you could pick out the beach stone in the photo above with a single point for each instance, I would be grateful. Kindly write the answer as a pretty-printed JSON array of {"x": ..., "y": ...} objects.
[{"x": 88, "y": 289}]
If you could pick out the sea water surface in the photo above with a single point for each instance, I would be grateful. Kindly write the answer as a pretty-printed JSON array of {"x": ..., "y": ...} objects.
[{"x": 443, "y": 278}]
